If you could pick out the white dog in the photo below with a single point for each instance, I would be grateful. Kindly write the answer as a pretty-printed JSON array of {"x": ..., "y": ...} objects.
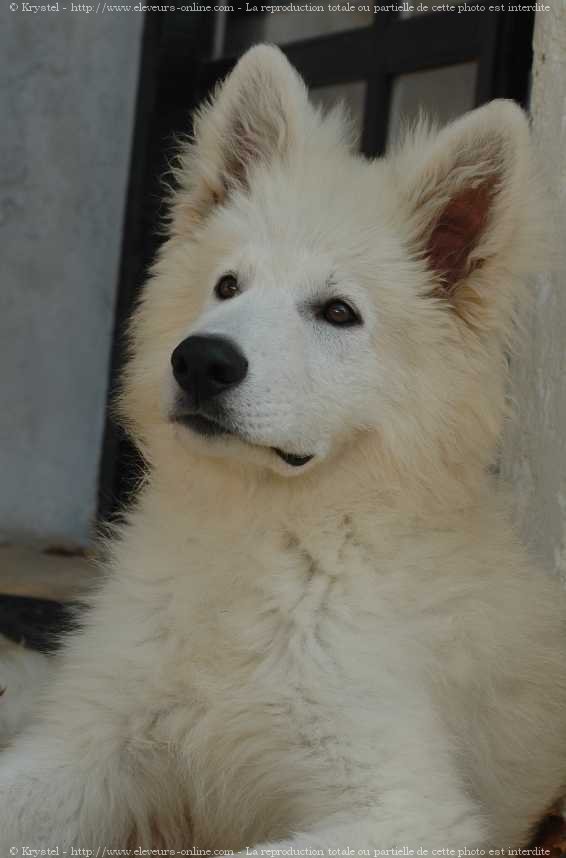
[{"x": 318, "y": 630}]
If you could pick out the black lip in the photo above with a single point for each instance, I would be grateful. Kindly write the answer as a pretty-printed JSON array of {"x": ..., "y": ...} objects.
[
  {"x": 202, "y": 425},
  {"x": 291, "y": 459},
  {"x": 208, "y": 428}
]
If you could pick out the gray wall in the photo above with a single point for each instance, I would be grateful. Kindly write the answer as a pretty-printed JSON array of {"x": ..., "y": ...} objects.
[
  {"x": 534, "y": 454},
  {"x": 67, "y": 97}
]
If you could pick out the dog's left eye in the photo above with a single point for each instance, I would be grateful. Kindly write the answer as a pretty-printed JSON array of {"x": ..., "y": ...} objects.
[
  {"x": 340, "y": 314},
  {"x": 227, "y": 287}
]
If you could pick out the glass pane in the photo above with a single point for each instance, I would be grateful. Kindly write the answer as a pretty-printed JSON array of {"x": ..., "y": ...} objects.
[
  {"x": 423, "y": 8},
  {"x": 442, "y": 94},
  {"x": 351, "y": 94},
  {"x": 242, "y": 31}
]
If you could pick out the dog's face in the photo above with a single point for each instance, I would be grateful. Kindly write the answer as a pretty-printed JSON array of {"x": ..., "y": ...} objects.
[
  {"x": 307, "y": 298},
  {"x": 281, "y": 355},
  {"x": 289, "y": 353}
]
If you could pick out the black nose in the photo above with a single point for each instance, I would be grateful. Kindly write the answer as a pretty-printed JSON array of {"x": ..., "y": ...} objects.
[{"x": 205, "y": 366}]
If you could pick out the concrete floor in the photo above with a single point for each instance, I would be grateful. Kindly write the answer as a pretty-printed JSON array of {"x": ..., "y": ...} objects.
[{"x": 28, "y": 572}]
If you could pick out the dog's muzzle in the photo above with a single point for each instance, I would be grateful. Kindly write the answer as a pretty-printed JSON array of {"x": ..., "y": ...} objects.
[{"x": 205, "y": 366}]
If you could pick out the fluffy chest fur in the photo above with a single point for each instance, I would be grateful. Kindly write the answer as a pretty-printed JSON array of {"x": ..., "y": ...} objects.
[
  {"x": 276, "y": 663},
  {"x": 283, "y": 663}
]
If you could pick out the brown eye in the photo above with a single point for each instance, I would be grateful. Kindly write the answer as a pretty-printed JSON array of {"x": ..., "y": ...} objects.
[
  {"x": 227, "y": 287},
  {"x": 340, "y": 313}
]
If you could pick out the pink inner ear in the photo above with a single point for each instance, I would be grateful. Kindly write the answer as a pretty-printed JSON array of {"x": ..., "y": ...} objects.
[
  {"x": 239, "y": 156},
  {"x": 457, "y": 232}
]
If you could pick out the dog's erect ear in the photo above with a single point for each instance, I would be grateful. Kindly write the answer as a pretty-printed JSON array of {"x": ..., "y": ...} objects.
[
  {"x": 465, "y": 192},
  {"x": 256, "y": 116}
]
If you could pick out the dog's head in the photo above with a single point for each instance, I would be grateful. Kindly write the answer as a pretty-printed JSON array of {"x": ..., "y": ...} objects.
[{"x": 308, "y": 300}]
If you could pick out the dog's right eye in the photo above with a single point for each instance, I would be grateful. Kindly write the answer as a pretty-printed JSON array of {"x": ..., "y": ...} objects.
[{"x": 227, "y": 287}]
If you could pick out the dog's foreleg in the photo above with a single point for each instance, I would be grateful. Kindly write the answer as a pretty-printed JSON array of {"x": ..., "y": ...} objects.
[
  {"x": 401, "y": 819},
  {"x": 412, "y": 794},
  {"x": 397, "y": 823},
  {"x": 57, "y": 794},
  {"x": 51, "y": 798}
]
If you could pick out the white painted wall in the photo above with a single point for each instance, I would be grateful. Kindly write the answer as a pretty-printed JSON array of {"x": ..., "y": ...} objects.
[
  {"x": 534, "y": 455},
  {"x": 67, "y": 96}
]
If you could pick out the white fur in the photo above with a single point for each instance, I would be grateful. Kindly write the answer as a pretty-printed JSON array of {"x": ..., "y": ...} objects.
[
  {"x": 23, "y": 672},
  {"x": 360, "y": 656}
]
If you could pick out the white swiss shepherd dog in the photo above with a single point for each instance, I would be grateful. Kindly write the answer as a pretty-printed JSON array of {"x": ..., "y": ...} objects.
[{"x": 318, "y": 630}]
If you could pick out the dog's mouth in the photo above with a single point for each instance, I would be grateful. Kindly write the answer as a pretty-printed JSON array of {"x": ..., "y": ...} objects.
[
  {"x": 209, "y": 428},
  {"x": 202, "y": 425},
  {"x": 292, "y": 459}
]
